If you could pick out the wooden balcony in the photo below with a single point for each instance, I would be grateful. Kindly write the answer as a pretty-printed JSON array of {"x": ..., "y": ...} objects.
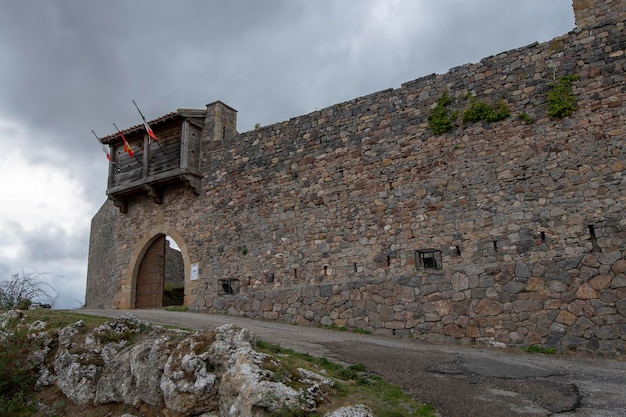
[{"x": 172, "y": 161}]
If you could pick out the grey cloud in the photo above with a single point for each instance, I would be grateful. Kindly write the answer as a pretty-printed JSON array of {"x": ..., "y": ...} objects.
[{"x": 49, "y": 243}]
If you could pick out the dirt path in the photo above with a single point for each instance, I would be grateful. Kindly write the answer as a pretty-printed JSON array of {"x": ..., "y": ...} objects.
[{"x": 459, "y": 381}]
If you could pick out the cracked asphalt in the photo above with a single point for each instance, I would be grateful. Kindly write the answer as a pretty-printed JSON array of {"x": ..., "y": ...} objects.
[{"x": 459, "y": 381}]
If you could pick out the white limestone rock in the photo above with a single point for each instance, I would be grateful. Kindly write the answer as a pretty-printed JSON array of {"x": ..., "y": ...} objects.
[{"x": 358, "y": 410}]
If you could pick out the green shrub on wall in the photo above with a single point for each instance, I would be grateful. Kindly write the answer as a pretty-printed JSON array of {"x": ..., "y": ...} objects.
[
  {"x": 440, "y": 120},
  {"x": 561, "y": 98},
  {"x": 479, "y": 110}
]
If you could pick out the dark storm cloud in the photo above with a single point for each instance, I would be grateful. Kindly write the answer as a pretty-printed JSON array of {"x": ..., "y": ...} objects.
[
  {"x": 49, "y": 243},
  {"x": 44, "y": 243}
]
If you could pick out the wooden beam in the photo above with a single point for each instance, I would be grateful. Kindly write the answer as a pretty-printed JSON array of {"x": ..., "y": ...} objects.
[{"x": 184, "y": 145}]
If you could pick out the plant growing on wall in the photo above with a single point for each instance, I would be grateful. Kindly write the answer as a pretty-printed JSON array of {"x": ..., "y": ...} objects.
[
  {"x": 525, "y": 118},
  {"x": 479, "y": 110},
  {"x": 440, "y": 119},
  {"x": 561, "y": 98}
]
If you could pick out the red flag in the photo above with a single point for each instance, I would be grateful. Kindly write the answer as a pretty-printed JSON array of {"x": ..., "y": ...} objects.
[
  {"x": 104, "y": 148},
  {"x": 127, "y": 147},
  {"x": 106, "y": 152},
  {"x": 145, "y": 123}
]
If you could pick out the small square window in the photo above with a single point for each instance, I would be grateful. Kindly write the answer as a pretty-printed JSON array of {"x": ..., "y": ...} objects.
[{"x": 428, "y": 259}]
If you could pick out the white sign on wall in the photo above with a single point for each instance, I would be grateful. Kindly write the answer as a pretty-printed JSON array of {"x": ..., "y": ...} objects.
[{"x": 194, "y": 272}]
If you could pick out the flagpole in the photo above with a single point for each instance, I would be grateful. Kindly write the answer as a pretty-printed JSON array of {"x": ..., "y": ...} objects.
[
  {"x": 108, "y": 155},
  {"x": 126, "y": 143},
  {"x": 148, "y": 128}
]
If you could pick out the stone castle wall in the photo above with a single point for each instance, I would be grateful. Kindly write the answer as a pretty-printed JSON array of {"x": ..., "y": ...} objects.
[{"x": 321, "y": 219}]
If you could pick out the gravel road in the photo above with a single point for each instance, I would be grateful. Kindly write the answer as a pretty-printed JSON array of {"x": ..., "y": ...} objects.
[{"x": 459, "y": 381}]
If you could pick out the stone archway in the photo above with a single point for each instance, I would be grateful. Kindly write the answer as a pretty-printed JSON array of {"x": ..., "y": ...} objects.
[{"x": 128, "y": 293}]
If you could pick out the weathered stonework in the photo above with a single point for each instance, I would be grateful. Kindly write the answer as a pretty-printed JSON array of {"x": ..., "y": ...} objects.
[{"x": 321, "y": 218}]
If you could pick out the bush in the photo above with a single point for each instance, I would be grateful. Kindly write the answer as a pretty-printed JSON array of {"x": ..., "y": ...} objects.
[
  {"x": 439, "y": 119},
  {"x": 479, "y": 110},
  {"x": 561, "y": 98},
  {"x": 22, "y": 290}
]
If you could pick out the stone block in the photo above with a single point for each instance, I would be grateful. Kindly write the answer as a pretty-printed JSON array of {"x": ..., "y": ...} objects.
[
  {"x": 587, "y": 292},
  {"x": 514, "y": 287},
  {"x": 429, "y": 317},
  {"x": 459, "y": 281},
  {"x": 619, "y": 281},
  {"x": 491, "y": 294},
  {"x": 558, "y": 329},
  {"x": 567, "y": 318},
  {"x": 442, "y": 307},
  {"x": 460, "y": 308},
  {"x": 454, "y": 331},
  {"x": 619, "y": 267},
  {"x": 590, "y": 260},
  {"x": 522, "y": 271},
  {"x": 533, "y": 338},
  {"x": 423, "y": 328},
  {"x": 600, "y": 282},
  {"x": 535, "y": 284},
  {"x": 395, "y": 324},
  {"x": 407, "y": 294},
  {"x": 527, "y": 305},
  {"x": 516, "y": 338},
  {"x": 326, "y": 321},
  {"x": 574, "y": 342},
  {"x": 607, "y": 333},
  {"x": 386, "y": 313},
  {"x": 586, "y": 273},
  {"x": 326, "y": 290},
  {"x": 491, "y": 308}
]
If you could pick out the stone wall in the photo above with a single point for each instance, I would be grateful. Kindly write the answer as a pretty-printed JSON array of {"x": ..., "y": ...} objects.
[
  {"x": 321, "y": 219},
  {"x": 589, "y": 13},
  {"x": 103, "y": 276},
  {"x": 174, "y": 271}
]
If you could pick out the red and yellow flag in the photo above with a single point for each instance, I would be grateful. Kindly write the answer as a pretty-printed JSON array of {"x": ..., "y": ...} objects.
[{"x": 127, "y": 147}]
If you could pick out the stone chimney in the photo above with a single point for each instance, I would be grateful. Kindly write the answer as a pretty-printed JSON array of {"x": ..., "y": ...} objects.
[
  {"x": 220, "y": 122},
  {"x": 590, "y": 13}
]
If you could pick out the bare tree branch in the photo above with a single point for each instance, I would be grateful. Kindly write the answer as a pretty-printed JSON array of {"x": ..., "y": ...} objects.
[{"x": 22, "y": 290}]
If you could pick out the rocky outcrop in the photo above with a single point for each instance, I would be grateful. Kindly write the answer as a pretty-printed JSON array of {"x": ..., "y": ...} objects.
[{"x": 172, "y": 372}]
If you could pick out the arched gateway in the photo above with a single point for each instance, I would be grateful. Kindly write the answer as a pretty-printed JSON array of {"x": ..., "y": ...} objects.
[{"x": 151, "y": 277}]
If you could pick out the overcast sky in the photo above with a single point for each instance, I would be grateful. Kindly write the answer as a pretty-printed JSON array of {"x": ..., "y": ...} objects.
[{"x": 70, "y": 66}]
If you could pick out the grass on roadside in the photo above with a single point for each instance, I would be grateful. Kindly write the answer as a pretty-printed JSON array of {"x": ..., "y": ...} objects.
[
  {"x": 56, "y": 319},
  {"x": 353, "y": 384}
]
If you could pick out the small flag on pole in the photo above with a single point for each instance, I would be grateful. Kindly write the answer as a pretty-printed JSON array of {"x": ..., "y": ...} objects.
[
  {"x": 145, "y": 123},
  {"x": 148, "y": 128},
  {"x": 127, "y": 147},
  {"x": 106, "y": 151}
]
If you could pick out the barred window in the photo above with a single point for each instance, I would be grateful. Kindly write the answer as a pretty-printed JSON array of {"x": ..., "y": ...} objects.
[{"x": 428, "y": 259}]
